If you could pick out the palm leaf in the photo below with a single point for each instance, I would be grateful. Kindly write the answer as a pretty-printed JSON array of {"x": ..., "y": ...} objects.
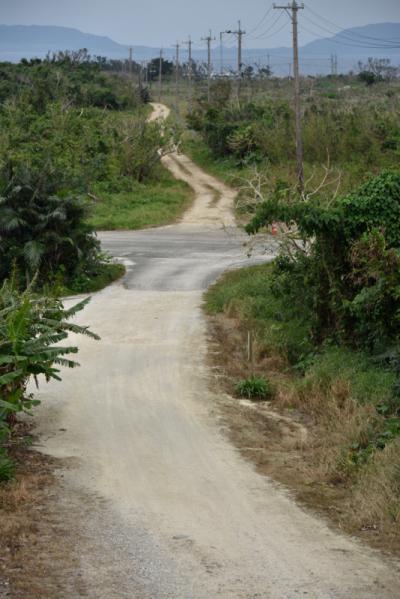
[{"x": 33, "y": 251}]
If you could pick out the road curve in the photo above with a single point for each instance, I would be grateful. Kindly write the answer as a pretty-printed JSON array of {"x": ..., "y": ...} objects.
[{"x": 140, "y": 421}]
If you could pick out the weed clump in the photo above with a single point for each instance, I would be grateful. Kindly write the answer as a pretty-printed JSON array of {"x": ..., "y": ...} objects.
[{"x": 255, "y": 387}]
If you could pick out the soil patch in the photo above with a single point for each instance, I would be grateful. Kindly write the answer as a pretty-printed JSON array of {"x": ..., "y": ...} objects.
[{"x": 37, "y": 543}]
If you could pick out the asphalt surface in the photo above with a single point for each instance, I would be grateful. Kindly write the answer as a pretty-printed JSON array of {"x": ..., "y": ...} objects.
[{"x": 178, "y": 258}]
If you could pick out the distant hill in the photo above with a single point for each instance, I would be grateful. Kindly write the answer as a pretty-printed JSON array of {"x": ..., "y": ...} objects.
[
  {"x": 351, "y": 45},
  {"x": 34, "y": 41},
  {"x": 357, "y": 39}
]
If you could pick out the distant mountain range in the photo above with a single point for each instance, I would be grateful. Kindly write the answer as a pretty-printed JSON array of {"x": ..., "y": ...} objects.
[{"x": 379, "y": 41}]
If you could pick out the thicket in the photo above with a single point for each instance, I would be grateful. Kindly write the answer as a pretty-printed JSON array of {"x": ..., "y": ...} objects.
[
  {"x": 345, "y": 129},
  {"x": 349, "y": 275},
  {"x": 61, "y": 135},
  {"x": 73, "y": 79}
]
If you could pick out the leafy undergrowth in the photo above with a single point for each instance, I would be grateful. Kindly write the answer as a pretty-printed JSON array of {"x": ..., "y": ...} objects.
[
  {"x": 90, "y": 283},
  {"x": 156, "y": 202},
  {"x": 329, "y": 438}
]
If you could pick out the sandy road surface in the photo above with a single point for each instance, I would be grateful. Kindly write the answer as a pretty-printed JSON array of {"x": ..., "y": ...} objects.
[{"x": 186, "y": 517}]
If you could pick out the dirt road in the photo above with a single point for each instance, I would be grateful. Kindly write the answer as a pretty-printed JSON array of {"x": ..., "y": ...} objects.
[{"x": 185, "y": 517}]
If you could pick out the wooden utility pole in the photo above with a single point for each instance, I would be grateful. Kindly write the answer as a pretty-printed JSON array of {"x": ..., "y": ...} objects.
[
  {"x": 140, "y": 83},
  {"x": 190, "y": 72},
  {"x": 177, "y": 46},
  {"x": 294, "y": 7},
  {"x": 239, "y": 34},
  {"x": 130, "y": 63},
  {"x": 208, "y": 39},
  {"x": 220, "y": 52},
  {"x": 250, "y": 351},
  {"x": 159, "y": 77}
]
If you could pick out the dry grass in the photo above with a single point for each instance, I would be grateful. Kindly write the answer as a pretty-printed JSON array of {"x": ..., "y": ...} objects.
[
  {"x": 339, "y": 422},
  {"x": 375, "y": 501},
  {"x": 37, "y": 544},
  {"x": 362, "y": 501}
]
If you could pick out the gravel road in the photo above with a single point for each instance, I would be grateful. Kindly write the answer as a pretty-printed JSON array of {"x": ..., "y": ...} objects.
[{"x": 186, "y": 517}]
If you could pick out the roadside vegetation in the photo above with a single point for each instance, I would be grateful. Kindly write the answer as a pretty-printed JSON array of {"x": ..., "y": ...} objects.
[
  {"x": 31, "y": 328},
  {"x": 325, "y": 313},
  {"x": 77, "y": 154}
]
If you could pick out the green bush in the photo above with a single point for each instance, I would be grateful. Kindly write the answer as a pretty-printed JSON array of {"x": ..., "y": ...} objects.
[
  {"x": 255, "y": 387},
  {"x": 41, "y": 231},
  {"x": 350, "y": 281},
  {"x": 31, "y": 329},
  {"x": 7, "y": 466}
]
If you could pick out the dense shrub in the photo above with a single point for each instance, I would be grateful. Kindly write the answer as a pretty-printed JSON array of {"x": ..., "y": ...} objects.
[
  {"x": 61, "y": 79},
  {"x": 347, "y": 133},
  {"x": 350, "y": 280},
  {"x": 42, "y": 230}
]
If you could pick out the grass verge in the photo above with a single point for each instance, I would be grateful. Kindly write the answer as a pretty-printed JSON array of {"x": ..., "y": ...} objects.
[
  {"x": 321, "y": 434},
  {"x": 158, "y": 202}
]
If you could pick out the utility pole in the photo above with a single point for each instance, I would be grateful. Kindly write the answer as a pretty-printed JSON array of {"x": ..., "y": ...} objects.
[
  {"x": 159, "y": 77},
  {"x": 294, "y": 7},
  {"x": 333, "y": 64},
  {"x": 239, "y": 34},
  {"x": 177, "y": 46},
  {"x": 220, "y": 51},
  {"x": 140, "y": 83},
  {"x": 130, "y": 63},
  {"x": 208, "y": 39},
  {"x": 190, "y": 72}
]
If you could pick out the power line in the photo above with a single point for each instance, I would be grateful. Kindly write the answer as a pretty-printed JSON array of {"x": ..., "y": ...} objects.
[
  {"x": 262, "y": 20},
  {"x": 275, "y": 32},
  {"x": 332, "y": 41},
  {"x": 261, "y": 35},
  {"x": 364, "y": 44},
  {"x": 350, "y": 32}
]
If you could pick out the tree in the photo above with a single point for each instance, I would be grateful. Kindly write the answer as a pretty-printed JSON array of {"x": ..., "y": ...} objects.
[
  {"x": 167, "y": 68},
  {"x": 377, "y": 70},
  {"x": 39, "y": 230}
]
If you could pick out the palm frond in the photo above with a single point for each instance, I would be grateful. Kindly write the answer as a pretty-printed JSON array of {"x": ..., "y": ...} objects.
[{"x": 33, "y": 252}]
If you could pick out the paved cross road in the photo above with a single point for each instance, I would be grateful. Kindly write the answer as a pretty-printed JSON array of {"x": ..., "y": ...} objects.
[{"x": 178, "y": 258}]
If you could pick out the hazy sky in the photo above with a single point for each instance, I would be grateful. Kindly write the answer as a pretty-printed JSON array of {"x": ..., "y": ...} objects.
[{"x": 157, "y": 22}]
